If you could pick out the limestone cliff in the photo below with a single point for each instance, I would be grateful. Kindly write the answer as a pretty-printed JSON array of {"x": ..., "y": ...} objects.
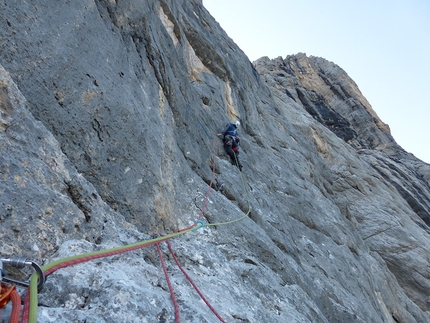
[{"x": 109, "y": 114}]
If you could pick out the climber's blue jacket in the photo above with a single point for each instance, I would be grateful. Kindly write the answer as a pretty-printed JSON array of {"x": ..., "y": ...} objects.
[{"x": 230, "y": 130}]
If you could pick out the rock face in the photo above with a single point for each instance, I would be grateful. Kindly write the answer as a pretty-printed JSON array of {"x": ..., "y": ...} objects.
[{"x": 109, "y": 114}]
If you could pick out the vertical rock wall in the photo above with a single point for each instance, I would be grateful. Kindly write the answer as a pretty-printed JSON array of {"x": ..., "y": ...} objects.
[{"x": 109, "y": 111}]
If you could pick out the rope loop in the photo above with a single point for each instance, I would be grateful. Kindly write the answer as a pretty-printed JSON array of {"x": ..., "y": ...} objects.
[{"x": 198, "y": 227}]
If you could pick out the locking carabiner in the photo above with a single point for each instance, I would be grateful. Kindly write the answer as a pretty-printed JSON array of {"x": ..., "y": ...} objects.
[{"x": 21, "y": 262}]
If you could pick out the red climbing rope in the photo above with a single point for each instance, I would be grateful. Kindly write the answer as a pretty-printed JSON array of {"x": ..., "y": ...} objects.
[
  {"x": 172, "y": 293},
  {"x": 16, "y": 307},
  {"x": 26, "y": 309},
  {"x": 103, "y": 255},
  {"x": 192, "y": 283},
  {"x": 8, "y": 294}
]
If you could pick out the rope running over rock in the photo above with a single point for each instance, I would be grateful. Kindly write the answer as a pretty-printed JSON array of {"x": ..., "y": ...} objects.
[{"x": 30, "y": 302}]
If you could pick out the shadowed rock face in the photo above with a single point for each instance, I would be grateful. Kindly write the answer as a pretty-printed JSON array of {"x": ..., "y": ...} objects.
[
  {"x": 108, "y": 118},
  {"x": 331, "y": 97}
]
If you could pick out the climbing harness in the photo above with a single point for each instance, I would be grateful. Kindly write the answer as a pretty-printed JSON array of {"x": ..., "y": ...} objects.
[{"x": 232, "y": 142}]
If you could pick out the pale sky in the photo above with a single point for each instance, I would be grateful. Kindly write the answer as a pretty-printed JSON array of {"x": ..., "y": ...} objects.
[{"x": 383, "y": 45}]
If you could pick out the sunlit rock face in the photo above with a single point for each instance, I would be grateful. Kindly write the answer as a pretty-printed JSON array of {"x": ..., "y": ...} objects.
[{"x": 109, "y": 112}]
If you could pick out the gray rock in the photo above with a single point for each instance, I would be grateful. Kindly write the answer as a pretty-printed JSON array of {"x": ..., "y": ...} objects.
[{"x": 109, "y": 115}]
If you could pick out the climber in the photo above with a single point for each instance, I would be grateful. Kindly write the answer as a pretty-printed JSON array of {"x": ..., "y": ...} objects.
[{"x": 231, "y": 141}]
